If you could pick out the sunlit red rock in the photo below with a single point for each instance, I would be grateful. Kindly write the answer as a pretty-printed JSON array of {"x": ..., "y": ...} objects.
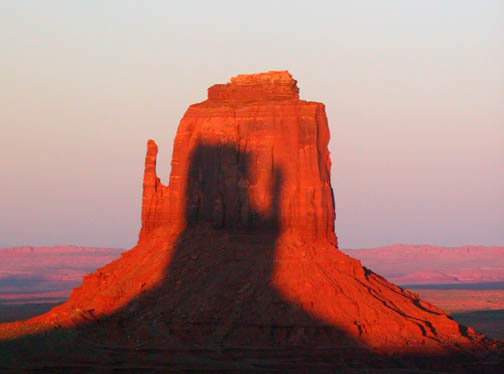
[
  {"x": 277, "y": 85},
  {"x": 261, "y": 125},
  {"x": 239, "y": 250}
]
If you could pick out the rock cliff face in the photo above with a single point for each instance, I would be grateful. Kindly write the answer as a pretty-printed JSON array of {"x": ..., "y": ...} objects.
[
  {"x": 239, "y": 251},
  {"x": 248, "y": 136}
]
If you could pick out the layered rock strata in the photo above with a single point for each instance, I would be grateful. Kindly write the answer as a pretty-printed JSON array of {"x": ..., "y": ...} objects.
[
  {"x": 239, "y": 249},
  {"x": 255, "y": 132}
]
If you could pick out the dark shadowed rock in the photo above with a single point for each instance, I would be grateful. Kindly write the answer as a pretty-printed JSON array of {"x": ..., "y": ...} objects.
[{"x": 237, "y": 258}]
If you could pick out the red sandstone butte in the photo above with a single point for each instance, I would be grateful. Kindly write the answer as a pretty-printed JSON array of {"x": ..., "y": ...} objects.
[
  {"x": 258, "y": 122},
  {"x": 239, "y": 249}
]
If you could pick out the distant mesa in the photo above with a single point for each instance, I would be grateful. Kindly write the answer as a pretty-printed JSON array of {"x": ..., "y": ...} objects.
[
  {"x": 408, "y": 264},
  {"x": 34, "y": 273},
  {"x": 238, "y": 254}
]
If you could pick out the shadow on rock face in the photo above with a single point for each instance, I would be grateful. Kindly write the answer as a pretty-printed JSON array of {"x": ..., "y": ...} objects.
[
  {"x": 218, "y": 288},
  {"x": 215, "y": 307}
]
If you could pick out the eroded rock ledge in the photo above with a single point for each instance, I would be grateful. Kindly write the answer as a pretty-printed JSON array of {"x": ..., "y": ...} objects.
[{"x": 273, "y": 85}]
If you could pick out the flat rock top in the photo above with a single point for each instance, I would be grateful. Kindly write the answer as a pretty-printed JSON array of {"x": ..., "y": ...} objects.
[
  {"x": 272, "y": 85},
  {"x": 264, "y": 78}
]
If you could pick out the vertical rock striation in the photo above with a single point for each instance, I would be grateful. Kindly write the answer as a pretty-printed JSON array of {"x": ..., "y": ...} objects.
[
  {"x": 239, "y": 251},
  {"x": 258, "y": 123}
]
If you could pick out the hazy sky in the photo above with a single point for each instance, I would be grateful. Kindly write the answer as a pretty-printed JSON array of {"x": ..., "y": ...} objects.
[{"x": 414, "y": 92}]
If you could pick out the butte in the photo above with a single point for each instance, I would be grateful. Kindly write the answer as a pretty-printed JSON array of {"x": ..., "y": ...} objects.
[{"x": 237, "y": 266}]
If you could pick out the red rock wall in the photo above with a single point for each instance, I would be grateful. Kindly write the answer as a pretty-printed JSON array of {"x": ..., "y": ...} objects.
[
  {"x": 248, "y": 165},
  {"x": 268, "y": 157}
]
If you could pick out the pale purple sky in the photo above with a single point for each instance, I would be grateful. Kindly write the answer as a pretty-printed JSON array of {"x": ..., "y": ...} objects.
[{"x": 414, "y": 92}]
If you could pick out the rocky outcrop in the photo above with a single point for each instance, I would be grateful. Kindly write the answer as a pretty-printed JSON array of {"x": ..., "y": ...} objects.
[
  {"x": 251, "y": 136},
  {"x": 277, "y": 85},
  {"x": 238, "y": 252}
]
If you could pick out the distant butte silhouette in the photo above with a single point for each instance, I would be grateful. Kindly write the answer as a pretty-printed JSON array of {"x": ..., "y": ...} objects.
[{"x": 237, "y": 267}]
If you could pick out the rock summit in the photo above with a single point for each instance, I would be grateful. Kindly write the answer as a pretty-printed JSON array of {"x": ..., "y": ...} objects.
[{"x": 238, "y": 254}]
